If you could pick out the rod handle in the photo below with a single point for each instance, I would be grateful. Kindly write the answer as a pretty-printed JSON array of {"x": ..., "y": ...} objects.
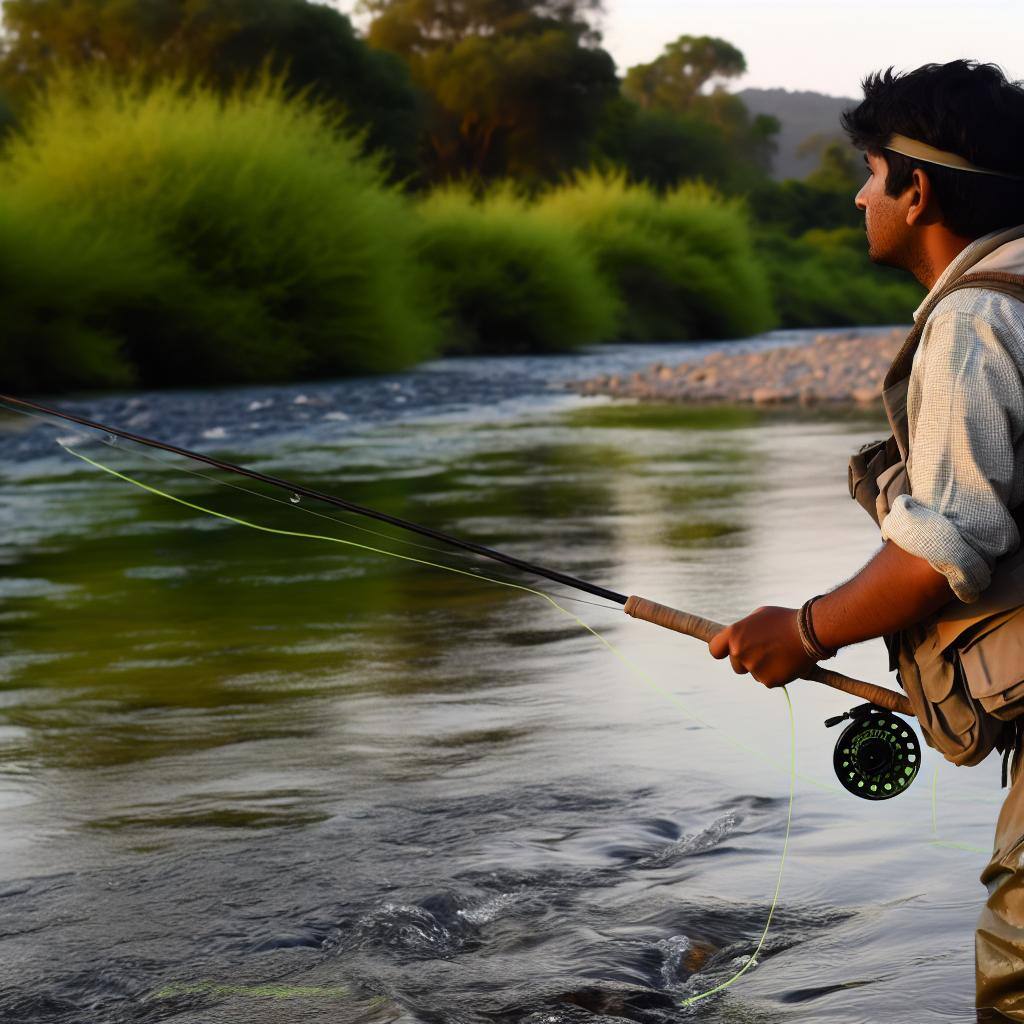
[{"x": 706, "y": 629}]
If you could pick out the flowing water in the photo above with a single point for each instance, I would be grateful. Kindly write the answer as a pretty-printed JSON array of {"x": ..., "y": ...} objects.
[{"x": 249, "y": 777}]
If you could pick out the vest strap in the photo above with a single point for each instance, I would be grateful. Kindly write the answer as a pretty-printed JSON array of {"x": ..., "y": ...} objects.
[{"x": 995, "y": 280}]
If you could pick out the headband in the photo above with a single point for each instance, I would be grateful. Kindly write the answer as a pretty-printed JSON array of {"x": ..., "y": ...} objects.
[{"x": 930, "y": 155}]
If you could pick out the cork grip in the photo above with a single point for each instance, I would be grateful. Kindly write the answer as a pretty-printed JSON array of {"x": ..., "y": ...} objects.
[{"x": 705, "y": 629}]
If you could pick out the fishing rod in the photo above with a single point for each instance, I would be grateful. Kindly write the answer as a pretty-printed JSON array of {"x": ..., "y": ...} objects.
[{"x": 869, "y": 761}]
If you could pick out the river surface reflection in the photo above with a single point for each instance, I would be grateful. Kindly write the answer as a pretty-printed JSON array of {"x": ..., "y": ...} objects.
[{"x": 247, "y": 777}]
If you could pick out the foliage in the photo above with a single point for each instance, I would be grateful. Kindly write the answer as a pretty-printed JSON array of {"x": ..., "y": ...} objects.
[
  {"x": 683, "y": 265},
  {"x": 672, "y": 86},
  {"x": 61, "y": 282},
  {"x": 825, "y": 277},
  {"x": 271, "y": 248},
  {"x": 825, "y": 199},
  {"x": 513, "y": 281},
  {"x": 516, "y": 87},
  {"x": 840, "y": 170},
  {"x": 418, "y": 26},
  {"x": 795, "y": 207},
  {"x": 7, "y": 119},
  {"x": 221, "y": 42},
  {"x": 675, "y": 79},
  {"x": 660, "y": 148},
  {"x": 751, "y": 141}
]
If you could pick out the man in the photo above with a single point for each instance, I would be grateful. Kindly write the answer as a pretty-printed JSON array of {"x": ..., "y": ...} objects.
[{"x": 944, "y": 198}]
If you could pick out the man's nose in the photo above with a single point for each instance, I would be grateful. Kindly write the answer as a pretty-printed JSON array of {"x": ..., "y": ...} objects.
[{"x": 859, "y": 201}]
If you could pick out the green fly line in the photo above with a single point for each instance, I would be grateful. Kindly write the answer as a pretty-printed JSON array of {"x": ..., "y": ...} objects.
[
  {"x": 551, "y": 601},
  {"x": 632, "y": 666}
]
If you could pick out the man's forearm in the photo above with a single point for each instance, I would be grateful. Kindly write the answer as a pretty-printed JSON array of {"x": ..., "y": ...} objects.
[{"x": 894, "y": 590}]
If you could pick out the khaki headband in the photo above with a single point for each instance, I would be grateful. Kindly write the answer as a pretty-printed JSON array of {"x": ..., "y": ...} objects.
[{"x": 930, "y": 155}]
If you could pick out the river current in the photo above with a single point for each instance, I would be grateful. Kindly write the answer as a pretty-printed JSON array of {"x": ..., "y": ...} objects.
[{"x": 260, "y": 778}]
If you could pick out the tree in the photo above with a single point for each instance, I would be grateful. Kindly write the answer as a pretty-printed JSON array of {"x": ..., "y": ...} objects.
[
  {"x": 673, "y": 85},
  {"x": 221, "y": 41},
  {"x": 839, "y": 167},
  {"x": 661, "y": 148},
  {"x": 751, "y": 140},
  {"x": 675, "y": 79},
  {"x": 517, "y": 87},
  {"x": 413, "y": 27}
]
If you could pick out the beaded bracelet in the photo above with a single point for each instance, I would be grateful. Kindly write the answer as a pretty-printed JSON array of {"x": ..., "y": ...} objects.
[{"x": 813, "y": 647}]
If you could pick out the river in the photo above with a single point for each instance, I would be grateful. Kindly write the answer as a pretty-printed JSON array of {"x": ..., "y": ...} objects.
[{"x": 248, "y": 777}]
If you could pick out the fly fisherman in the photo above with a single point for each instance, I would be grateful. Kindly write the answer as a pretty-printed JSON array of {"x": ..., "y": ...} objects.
[{"x": 944, "y": 200}]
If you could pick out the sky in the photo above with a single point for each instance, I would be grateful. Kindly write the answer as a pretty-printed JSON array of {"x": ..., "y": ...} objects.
[{"x": 823, "y": 45}]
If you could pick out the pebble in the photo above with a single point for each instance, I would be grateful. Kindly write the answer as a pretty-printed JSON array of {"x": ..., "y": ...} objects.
[{"x": 845, "y": 367}]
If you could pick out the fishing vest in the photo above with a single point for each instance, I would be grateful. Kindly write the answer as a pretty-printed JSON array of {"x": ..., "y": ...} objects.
[{"x": 963, "y": 666}]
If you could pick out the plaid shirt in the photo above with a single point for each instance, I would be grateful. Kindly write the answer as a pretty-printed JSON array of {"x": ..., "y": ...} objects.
[{"x": 965, "y": 413}]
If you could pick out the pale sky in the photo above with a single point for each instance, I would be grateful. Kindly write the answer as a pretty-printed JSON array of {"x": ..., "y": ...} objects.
[{"x": 824, "y": 45}]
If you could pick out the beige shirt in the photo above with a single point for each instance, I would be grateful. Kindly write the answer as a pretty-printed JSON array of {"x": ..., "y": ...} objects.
[{"x": 965, "y": 413}]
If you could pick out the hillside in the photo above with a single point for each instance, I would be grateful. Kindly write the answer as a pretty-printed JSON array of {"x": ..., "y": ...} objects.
[{"x": 803, "y": 114}]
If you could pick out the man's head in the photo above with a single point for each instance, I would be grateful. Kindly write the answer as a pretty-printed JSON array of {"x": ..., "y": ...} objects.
[{"x": 963, "y": 108}]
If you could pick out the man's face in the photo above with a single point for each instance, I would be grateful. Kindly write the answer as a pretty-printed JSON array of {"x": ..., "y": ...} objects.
[{"x": 885, "y": 217}]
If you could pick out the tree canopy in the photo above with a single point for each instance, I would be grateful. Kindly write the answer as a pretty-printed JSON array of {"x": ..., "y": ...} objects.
[
  {"x": 220, "y": 41},
  {"x": 516, "y": 87},
  {"x": 674, "y": 80}
]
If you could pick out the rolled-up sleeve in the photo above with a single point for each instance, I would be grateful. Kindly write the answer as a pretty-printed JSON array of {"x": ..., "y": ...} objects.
[{"x": 965, "y": 407}]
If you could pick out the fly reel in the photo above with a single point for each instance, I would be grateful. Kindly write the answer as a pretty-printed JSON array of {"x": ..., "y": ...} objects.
[{"x": 877, "y": 756}]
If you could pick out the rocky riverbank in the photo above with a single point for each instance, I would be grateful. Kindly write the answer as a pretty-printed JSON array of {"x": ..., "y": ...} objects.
[{"x": 846, "y": 367}]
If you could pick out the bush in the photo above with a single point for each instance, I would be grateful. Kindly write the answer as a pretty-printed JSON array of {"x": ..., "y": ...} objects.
[
  {"x": 683, "y": 265},
  {"x": 64, "y": 284},
  {"x": 512, "y": 281},
  {"x": 824, "y": 278},
  {"x": 274, "y": 249}
]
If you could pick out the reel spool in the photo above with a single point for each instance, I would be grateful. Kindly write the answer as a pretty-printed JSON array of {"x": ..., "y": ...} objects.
[{"x": 877, "y": 756}]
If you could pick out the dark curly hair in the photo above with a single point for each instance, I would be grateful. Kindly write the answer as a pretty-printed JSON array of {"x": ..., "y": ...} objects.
[{"x": 963, "y": 107}]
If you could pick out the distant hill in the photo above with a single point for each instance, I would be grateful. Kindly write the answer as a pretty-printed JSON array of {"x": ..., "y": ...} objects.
[{"x": 803, "y": 114}]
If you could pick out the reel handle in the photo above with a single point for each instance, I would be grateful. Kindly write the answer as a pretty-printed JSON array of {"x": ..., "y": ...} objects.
[{"x": 705, "y": 629}]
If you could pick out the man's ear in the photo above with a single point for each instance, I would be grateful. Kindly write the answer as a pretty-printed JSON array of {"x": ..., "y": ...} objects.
[{"x": 923, "y": 208}]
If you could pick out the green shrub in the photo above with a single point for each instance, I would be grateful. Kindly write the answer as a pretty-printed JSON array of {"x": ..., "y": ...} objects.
[
  {"x": 286, "y": 253},
  {"x": 61, "y": 285},
  {"x": 824, "y": 278},
  {"x": 683, "y": 265},
  {"x": 512, "y": 281}
]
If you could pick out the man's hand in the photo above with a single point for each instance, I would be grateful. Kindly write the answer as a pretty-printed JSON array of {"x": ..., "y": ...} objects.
[
  {"x": 894, "y": 590},
  {"x": 766, "y": 644}
]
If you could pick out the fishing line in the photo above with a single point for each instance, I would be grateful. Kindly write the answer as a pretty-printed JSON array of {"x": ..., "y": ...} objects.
[
  {"x": 945, "y": 843},
  {"x": 515, "y": 586},
  {"x": 654, "y": 612},
  {"x": 296, "y": 506},
  {"x": 113, "y": 435},
  {"x": 689, "y": 712},
  {"x": 752, "y": 959}
]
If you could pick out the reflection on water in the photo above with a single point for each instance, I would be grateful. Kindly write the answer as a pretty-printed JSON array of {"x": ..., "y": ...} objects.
[{"x": 257, "y": 778}]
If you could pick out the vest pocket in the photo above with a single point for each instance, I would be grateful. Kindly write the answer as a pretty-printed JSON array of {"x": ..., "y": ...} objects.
[
  {"x": 992, "y": 661},
  {"x": 865, "y": 466},
  {"x": 951, "y": 717}
]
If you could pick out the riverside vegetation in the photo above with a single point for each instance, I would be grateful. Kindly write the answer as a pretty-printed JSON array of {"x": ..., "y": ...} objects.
[{"x": 167, "y": 234}]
